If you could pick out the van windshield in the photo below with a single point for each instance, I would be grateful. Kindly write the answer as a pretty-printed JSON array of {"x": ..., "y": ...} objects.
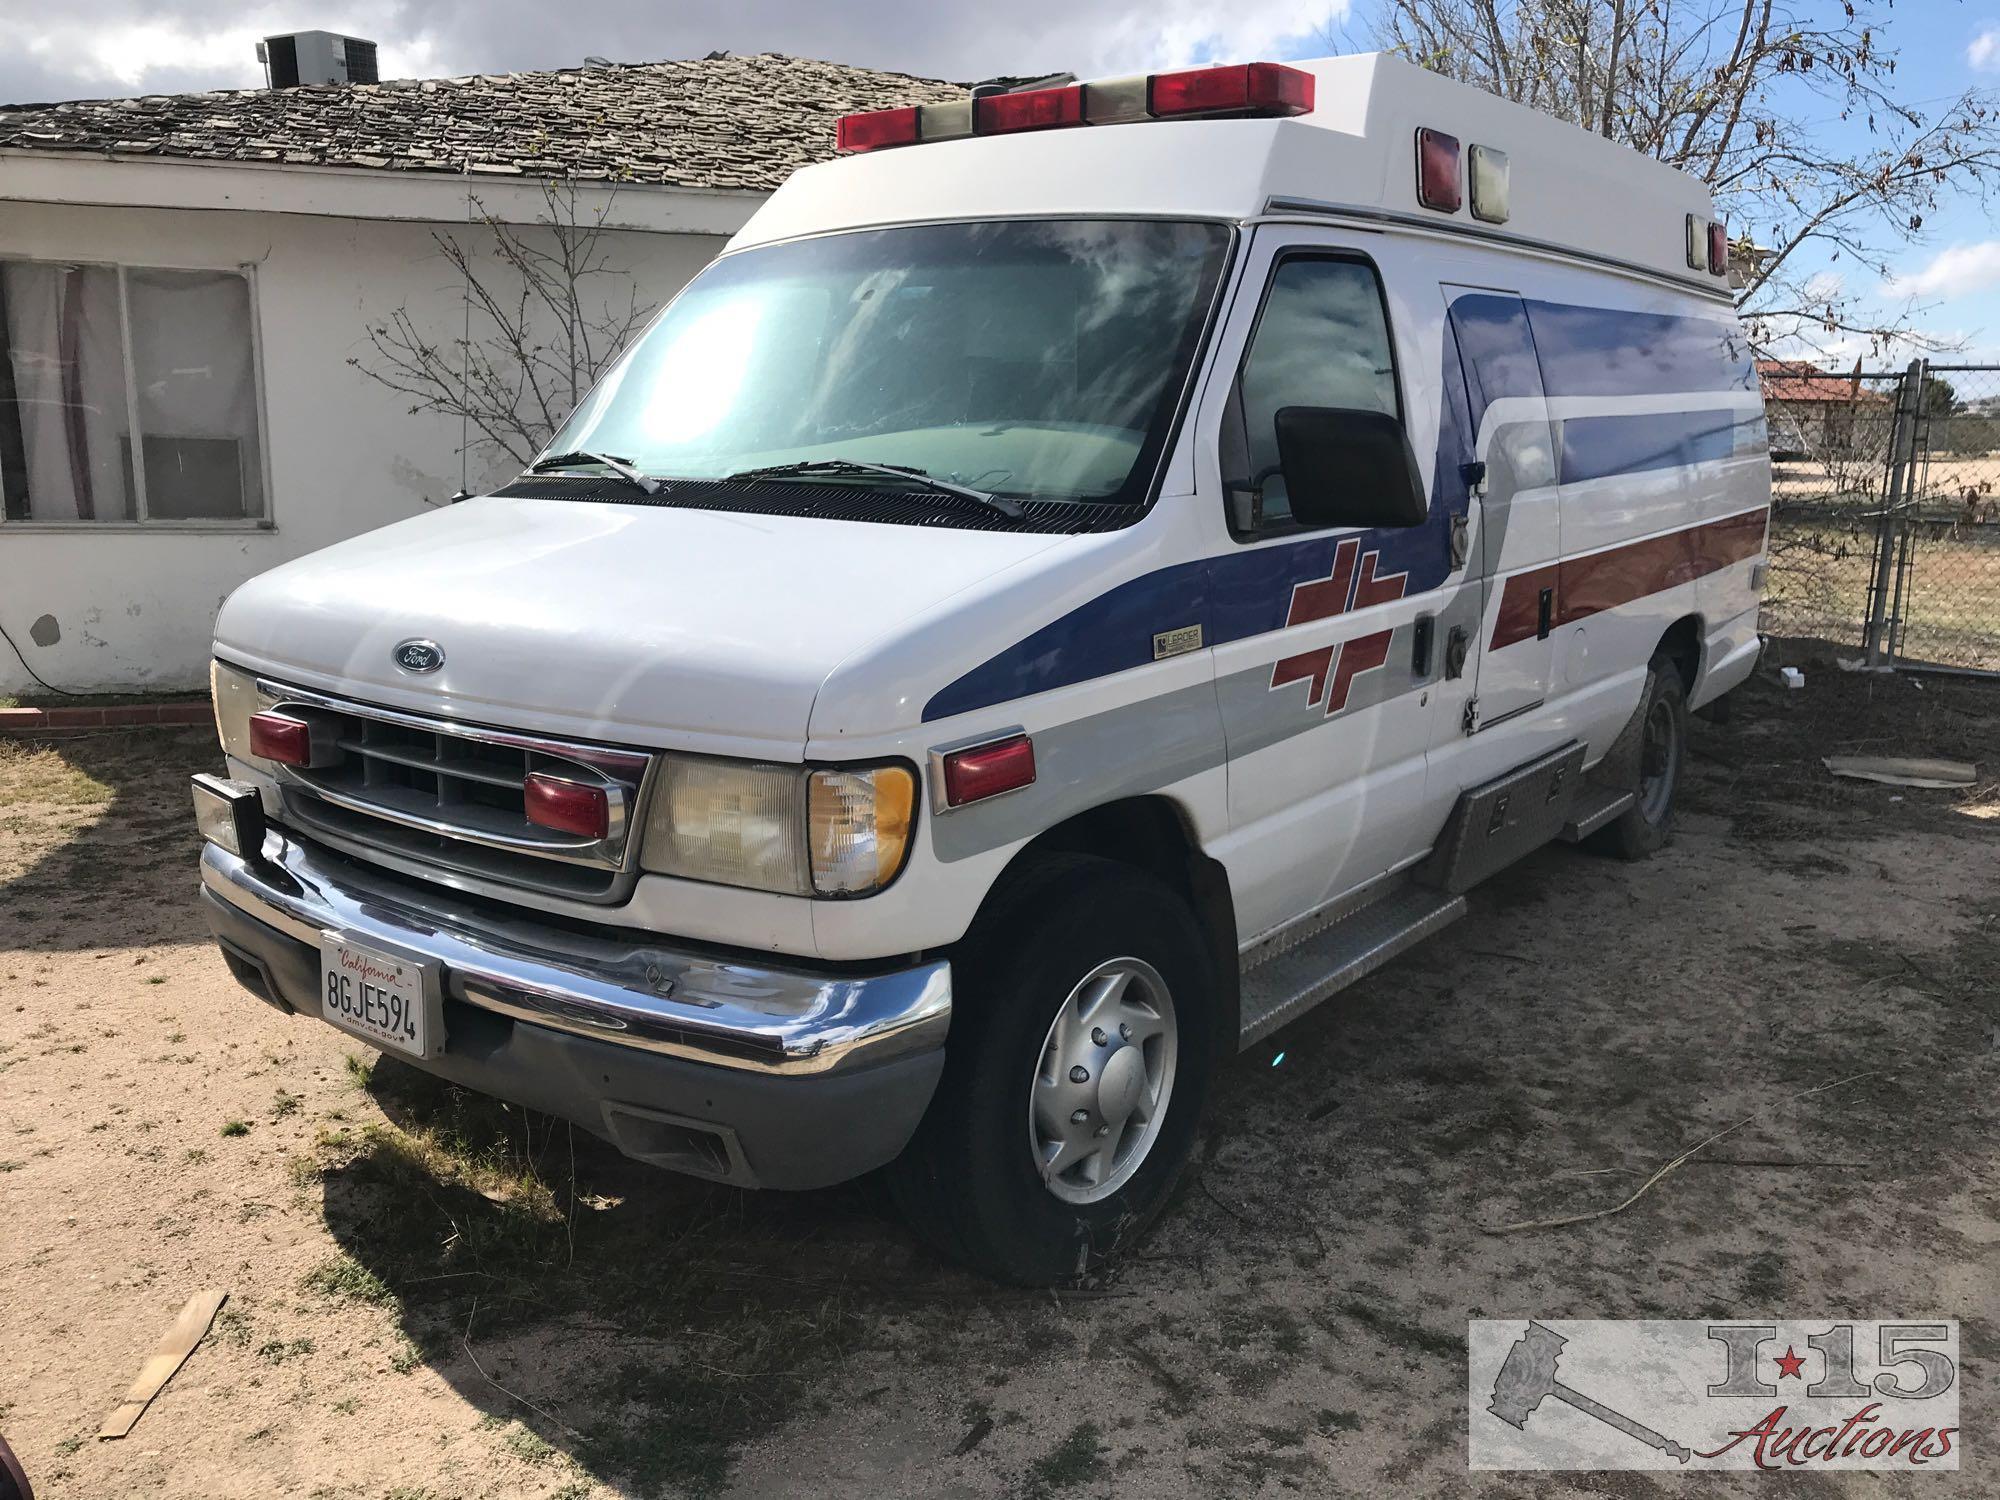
[{"x": 1036, "y": 359}]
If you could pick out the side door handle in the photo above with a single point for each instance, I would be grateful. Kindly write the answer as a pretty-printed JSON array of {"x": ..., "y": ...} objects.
[{"x": 1420, "y": 645}]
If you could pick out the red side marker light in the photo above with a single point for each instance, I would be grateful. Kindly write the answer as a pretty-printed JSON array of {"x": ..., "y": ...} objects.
[
  {"x": 876, "y": 129},
  {"x": 988, "y": 770},
  {"x": 1438, "y": 181},
  {"x": 1032, "y": 109},
  {"x": 1718, "y": 250},
  {"x": 566, "y": 806},
  {"x": 1243, "y": 88},
  {"x": 280, "y": 738}
]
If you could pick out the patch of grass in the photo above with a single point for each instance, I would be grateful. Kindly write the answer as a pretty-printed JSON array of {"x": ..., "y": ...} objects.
[
  {"x": 359, "y": 1070},
  {"x": 11, "y": 1166},
  {"x": 284, "y": 1103},
  {"x": 232, "y": 1325},
  {"x": 347, "y": 1406},
  {"x": 39, "y": 773},
  {"x": 1077, "y": 1458},
  {"x": 526, "y": 1446},
  {"x": 277, "y": 1351},
  {"x": 344, "y": 1278},
  {"x": 236, "y": 1127}
]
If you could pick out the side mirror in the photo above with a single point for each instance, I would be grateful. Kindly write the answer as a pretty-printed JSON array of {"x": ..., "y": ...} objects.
[{"x": 1349, "y": 468}]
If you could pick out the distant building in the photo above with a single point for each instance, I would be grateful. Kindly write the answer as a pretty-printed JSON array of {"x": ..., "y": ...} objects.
[
  {"x": 183, "y": 280},
  {"x": 1813, "y": 413}
]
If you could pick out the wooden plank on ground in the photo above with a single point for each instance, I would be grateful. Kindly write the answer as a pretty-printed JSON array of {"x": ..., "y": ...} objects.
[{"x": 160, "y": 1365}]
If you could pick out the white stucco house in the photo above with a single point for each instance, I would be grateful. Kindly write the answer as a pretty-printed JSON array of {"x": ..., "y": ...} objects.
[{"x": 184, "y": 280}]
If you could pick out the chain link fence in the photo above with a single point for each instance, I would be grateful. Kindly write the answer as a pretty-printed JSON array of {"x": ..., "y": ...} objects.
[{"x": 1885, "y": 526}]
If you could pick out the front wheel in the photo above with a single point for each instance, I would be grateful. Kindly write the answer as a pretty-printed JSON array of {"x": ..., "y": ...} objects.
[
  {"x": 1082, "y": 1038},
  {"x": 1648, "y": 823}
]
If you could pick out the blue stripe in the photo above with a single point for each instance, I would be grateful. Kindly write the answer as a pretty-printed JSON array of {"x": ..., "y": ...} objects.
[{"x": 1599, "y": 447}]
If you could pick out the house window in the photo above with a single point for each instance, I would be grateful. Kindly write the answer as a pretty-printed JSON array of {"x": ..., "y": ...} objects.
[{"x": 127, "y": 395}]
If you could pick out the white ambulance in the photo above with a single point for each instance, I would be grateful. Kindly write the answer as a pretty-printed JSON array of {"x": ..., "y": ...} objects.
[{"x": 1082, "y": 579}]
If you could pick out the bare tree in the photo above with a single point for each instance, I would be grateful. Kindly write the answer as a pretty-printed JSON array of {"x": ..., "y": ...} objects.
[
  {"x": 1740, "y": 93},
  {"x": 545, "y": 314}
]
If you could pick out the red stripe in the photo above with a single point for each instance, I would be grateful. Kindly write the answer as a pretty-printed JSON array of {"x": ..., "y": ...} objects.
[
  {"x": 1362, "y": 654},
  {"x": 1599, "y": 581}
]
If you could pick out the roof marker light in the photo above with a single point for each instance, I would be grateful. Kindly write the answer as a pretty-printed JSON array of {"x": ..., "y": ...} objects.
[
  {"x": 1030, "y": 109},
  {"x": 1438, "y": 184},
  {"x": 1487, "y": 173},
  {"x": 944, "y": 122},
  {"x": 1242, "y": 88},
  {"x": 876, "y": 129}
]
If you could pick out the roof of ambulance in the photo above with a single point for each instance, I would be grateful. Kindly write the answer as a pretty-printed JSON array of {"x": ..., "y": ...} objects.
[{"x": 1356, "y": 148}]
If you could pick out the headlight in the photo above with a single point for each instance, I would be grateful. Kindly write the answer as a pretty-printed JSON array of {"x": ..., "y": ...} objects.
[
  {"x": 780, "y": 828},
  {"x": 235, "y": 695}
]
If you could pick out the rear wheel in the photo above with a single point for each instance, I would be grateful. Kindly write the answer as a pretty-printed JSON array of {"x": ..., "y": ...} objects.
[
  {"x": 1648, "y": 823},
  {"x": 1082, "y": 1038}
]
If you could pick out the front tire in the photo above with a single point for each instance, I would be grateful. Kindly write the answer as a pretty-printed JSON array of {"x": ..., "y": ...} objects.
[
  {"x": 1082, "y": 1041},
  {"x": 1648, "y": 824}
]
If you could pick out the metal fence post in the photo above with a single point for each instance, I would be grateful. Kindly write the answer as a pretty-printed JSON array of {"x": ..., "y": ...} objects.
[{"x": 1902, "y": 448}]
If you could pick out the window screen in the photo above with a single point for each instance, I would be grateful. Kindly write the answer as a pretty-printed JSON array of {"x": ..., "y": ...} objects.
[{"x": 1322, "y": 340}]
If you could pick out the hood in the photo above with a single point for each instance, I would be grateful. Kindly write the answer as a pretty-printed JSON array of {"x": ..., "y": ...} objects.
[{"x": 640, "y": 624}]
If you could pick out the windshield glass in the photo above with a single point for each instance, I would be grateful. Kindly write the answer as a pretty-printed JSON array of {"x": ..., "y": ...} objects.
[{"x": 1038, "y": 359}]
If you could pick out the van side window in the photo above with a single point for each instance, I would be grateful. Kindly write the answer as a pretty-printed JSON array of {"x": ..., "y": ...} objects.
[{"x": 1322, "y": 339}]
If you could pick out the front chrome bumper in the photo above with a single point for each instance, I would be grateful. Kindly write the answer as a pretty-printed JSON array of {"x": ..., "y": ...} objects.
[{"x": 602, "y": 984}]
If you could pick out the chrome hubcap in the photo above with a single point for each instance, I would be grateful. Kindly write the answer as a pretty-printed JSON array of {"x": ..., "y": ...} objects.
[
  {"x": 1659, "y": 763},
  {"x": 1106, "y": 1073}
]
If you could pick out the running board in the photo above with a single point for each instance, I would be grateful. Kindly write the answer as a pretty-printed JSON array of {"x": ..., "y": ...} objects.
[
  {"x": 1288, "y": 984},
  {"x": 1593, "y": 808}
]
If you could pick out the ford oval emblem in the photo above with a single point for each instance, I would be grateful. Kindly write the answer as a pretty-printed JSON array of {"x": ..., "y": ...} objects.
[{"x": 419, "y": 656}]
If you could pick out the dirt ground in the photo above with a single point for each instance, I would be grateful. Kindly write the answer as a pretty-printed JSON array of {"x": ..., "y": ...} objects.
[{"x": 430, "y": 1296}]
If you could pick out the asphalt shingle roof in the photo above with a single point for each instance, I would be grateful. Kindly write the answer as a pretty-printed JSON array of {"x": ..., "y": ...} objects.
[{"x": 717, "y": 122}]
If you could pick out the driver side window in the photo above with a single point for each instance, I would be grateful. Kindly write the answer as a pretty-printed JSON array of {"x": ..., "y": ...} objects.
[{"x": 1322, "y": 339}]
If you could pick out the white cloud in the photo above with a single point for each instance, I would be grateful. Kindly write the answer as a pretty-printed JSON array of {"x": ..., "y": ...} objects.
[
  {"x": 1953, "y": 272},
  {"x": 1983, "y": 53}
]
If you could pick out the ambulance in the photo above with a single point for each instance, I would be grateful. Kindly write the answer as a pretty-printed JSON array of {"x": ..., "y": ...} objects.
[{"x": 1088, "y": 574}]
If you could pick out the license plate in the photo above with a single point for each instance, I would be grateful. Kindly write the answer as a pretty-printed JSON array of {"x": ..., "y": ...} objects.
[{"x": 390, "y": 999}]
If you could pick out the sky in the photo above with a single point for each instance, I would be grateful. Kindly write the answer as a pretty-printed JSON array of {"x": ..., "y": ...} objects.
[{"x": 103, "y": 48}]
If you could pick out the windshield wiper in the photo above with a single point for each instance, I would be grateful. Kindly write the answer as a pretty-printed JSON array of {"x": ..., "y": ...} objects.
[
  {"x": 622, "y": 467},
  {"x": 999, "y": 504}
]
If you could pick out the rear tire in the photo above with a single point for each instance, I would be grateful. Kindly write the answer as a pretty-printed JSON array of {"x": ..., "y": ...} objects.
[
  {"x": 1648, "y": 824},
  {"x": 1082, "y": 1041}
]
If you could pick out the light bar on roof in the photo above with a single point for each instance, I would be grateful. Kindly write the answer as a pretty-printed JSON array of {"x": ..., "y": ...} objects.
[{"x": 1252, "y": 90}]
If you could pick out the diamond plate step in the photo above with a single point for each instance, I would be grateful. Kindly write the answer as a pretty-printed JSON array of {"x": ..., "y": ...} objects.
[
  {"x": 1593, "y": 808},
  {"x": 1286, "y": 986}
]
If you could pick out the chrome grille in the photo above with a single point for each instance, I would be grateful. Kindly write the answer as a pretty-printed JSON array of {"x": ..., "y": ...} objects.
[{"x": 406, "y": 787}]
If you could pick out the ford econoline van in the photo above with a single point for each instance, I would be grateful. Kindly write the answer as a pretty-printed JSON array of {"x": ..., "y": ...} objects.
[{"x": 1085, "y": 576}]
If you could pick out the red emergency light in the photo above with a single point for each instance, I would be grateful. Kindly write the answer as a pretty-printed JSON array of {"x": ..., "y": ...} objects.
[{"x": 1256, "y": 90}]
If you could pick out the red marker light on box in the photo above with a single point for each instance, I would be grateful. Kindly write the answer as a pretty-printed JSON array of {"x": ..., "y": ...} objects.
[
  {"x": 566, "y": 806},
  {"x": 1438, "y": 181},
  {"x": 983, "y": 771},
  {"x": 1718, "y": 250}
]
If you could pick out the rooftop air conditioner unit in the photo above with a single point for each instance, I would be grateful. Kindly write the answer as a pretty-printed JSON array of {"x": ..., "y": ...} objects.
[{"x": 303, "y": 58}]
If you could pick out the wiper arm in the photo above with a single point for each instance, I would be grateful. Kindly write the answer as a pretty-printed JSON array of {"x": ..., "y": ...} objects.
[
  {"x": 622, "y": 467},
  {"x": 999, "y": 504}
]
